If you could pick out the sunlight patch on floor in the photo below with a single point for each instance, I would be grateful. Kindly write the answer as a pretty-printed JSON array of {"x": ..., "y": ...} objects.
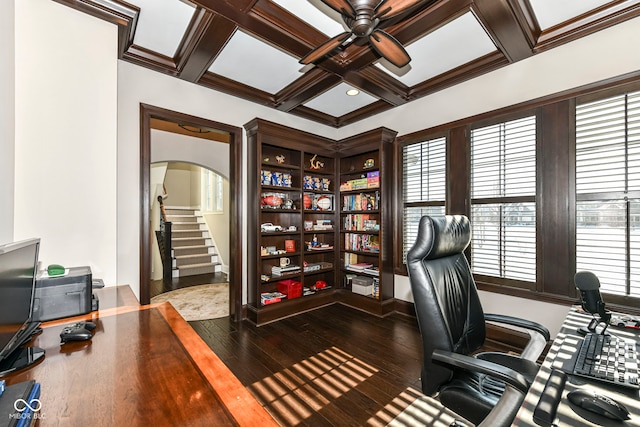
[{"x": 308, "y": 386}]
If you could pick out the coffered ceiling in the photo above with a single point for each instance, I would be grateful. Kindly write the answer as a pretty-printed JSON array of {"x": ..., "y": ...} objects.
[{"x": 252, "y": 48}]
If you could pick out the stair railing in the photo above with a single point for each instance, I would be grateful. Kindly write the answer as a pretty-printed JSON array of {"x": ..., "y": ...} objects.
[{"x": 164, "y": 241}]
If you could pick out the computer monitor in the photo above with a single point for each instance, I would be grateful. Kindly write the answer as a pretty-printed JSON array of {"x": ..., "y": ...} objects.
[{"x": 18, "y": 267}]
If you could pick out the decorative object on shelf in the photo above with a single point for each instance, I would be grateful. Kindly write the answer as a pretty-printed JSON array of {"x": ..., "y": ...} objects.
[
  {"x": 292, "y": 228},
  {"x": 288, "y": 204},
  {"x": 271, "y": 200},
  {"x": 269, "y": 227},
  {"x": 266, "y": 177},
  {"x": 284, "y": 261},
  {"x": 324, "y": 203},
  {"x": 306, "y": 200},
  {"x": 289, "y": 245},
  {"x": 276, "y": 179},
  {"x": 369, "y": 163},
  {"x": 315, "y": 164},
  {"x": 320, "y": 284},
  {"x": 280, "y": 158},
  {"x": 265, "y": 160}
]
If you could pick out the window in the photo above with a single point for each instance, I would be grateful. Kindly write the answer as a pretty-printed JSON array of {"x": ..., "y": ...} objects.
[
  {"x": 212, "y": 191},
  {"x": 503, "y": 200},
  {"x": 608, "y": 192},
  {"x": 423, "y": 186}
]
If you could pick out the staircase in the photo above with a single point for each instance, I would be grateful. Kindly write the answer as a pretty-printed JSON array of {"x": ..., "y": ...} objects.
[{"x": 192, "y": 249}]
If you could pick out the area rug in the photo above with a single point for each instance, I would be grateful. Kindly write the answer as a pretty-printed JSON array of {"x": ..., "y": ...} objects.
[{"x": 200, "y": 302}]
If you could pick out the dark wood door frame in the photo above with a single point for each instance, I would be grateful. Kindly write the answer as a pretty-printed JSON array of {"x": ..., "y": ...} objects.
[{"x": 148, "y": 112}]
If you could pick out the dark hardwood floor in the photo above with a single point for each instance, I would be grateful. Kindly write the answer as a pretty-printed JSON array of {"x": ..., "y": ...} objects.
[
  {"x": 158, "y": 287},
  {"x": 331, "y": 366}
]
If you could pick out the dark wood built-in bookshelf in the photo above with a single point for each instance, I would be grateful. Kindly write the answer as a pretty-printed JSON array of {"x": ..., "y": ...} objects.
[{"x": 305, "y": 233}]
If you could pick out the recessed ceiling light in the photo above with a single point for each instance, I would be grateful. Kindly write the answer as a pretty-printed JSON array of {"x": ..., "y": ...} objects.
[{"x": 353, "y": 92}]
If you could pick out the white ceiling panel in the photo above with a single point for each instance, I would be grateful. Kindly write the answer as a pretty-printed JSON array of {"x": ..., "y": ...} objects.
[
  {"x": 460, "y": 41},
  {"x": 161, "y": 24},
  {"x": 336, "y": 102},
  {"x": 239, "y": 58},
  {"x": 327, "y": 20},
  {"x": 553, "y": 12}
]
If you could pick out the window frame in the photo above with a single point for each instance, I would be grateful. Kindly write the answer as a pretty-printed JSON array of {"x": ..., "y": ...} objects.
[
  {"x": 497, "y": 280},
  {"x": 555, "y": 252},
  {"x": 626, "y": 196},
  {"x": 400, "y": 266}
]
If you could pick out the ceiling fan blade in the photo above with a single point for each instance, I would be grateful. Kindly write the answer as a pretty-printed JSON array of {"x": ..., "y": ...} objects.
[
  {"x": 343, "y": 7},
  {"x": 390, "y": 8},
  {"x": 324, "y": 48},
  {"x": 389, "y": 48}
]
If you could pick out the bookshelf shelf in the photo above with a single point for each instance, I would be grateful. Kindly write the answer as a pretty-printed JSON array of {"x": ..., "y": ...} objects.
[{"x": 296, "y": 187}]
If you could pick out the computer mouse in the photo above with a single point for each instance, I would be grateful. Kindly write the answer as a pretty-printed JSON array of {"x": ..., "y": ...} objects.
[{"x": 599, "y": 404}]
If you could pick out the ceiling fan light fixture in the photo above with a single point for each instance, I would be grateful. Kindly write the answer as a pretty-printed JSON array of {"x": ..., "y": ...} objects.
[{"x": 353, "y": 92}]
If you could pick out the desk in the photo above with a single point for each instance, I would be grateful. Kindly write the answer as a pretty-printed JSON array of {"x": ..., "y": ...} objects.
[
  {"x": 563, "y": 347},
  {"x": 144, "y": 366}
]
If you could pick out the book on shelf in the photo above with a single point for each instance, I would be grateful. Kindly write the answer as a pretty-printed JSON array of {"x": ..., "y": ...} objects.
[
  {"x": 361, "y": 202},
  {"x": 361, "y": 242},
  {"x": 360, "y": 222},
  {"x": 271, "y": 297},
  {"x": 360, "y": 267},
  {"x": 374, "y": 271},
  {"x": 279, "y": 271}
]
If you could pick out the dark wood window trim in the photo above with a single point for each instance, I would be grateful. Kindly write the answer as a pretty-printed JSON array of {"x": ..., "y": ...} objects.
[{"x": 556, "y": 187}]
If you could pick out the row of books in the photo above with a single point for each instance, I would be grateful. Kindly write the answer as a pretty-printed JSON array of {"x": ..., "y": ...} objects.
[
  {"x": 360, "y": 222},
  {"x": 361, "y": 202},
  {"x": 361, "y": 242}
]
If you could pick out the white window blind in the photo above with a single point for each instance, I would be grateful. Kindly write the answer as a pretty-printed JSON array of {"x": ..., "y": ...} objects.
[
  {"x": 608, "y": 192},
  {"x": 503, "y": 208},
  {"x": 423, "y": 186}
]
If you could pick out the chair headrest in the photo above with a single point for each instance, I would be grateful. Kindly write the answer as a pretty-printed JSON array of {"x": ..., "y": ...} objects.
[{"x": 442, "y": 236}]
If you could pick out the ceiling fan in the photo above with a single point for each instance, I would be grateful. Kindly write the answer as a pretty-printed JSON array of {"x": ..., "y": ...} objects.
[{"x": 364, "y": 17}]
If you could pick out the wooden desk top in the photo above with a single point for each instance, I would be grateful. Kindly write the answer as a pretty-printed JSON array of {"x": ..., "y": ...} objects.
[{"x": 144, "y": 366}]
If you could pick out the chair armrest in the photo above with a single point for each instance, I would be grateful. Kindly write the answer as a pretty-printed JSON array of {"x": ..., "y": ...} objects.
[
  {"x": 516, "y": 321},
  {"x": 508, "y": 375}
]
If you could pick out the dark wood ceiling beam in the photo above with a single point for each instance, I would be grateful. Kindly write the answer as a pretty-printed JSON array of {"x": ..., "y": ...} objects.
[
  {"x": 315, "y": 115},
  {"x": 259, "y": 26},
  {"x": 501, "y": 20},
  {"x": 364, "y": 112},
  {"x": 596, "y": 20},
  {"x": 122, "y": 14},
  {"x": 379, "y": 84},
  {"x": 146, "y": 58},
  {"x": 204, "y": 39},
  {"x": 232, "y": 87},
  {"x": 475, "y": 68},
  {"x": 308, "y": 86}
]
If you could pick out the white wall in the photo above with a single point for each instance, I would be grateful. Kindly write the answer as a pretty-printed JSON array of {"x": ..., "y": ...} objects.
[
  {"x": 65, "y": 118},
  {"x": 7, "y": 119}
]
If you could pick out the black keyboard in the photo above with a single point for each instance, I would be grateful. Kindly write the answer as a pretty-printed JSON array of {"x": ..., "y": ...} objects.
[{"x": 609, "y": 359}]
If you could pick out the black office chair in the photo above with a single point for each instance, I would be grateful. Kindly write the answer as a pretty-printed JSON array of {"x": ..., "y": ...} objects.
[{"x": 487, "y": 388}]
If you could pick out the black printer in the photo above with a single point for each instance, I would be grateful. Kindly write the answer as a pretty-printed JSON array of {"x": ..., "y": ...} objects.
[{"x": 66, "y": 295}]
